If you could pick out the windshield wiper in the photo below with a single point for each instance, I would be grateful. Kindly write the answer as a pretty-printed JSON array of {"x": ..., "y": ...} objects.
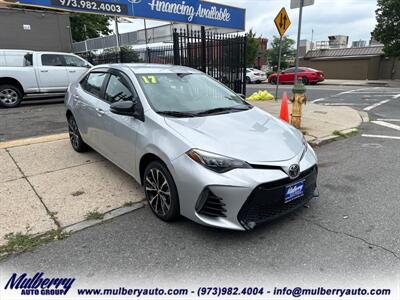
[
  {"x": 178, "y": 114},
  {"x": 222, "y": 109}
]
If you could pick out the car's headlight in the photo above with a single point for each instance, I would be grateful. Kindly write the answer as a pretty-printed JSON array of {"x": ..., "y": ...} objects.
[{"x": 215, "y": 162}]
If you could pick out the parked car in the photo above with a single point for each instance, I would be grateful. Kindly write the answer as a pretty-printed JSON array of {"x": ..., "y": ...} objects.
[
  {"x": 198, "y": 148},
  {"x": 24, "y": 72},
  {"x": 307, "y": 75},
  {"x": 255, "y": 76}
]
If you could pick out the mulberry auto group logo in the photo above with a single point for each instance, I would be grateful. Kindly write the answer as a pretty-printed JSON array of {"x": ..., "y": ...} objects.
[{"x": 39, "y": 284}]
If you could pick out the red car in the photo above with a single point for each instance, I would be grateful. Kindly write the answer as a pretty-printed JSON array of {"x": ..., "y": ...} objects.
[{"x": 307, "y": 75}]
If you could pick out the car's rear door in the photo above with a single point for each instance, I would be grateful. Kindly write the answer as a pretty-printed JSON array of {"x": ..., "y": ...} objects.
[
  {"x": 52, "y": 73},
  {"x": 87, "y": 99},
  {"x": 75, "y": 66}
]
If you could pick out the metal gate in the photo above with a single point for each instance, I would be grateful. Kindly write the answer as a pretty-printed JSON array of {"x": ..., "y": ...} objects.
[{"x": 222, "y": 56}]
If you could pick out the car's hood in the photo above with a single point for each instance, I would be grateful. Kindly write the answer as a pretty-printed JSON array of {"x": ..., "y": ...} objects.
[{"x": 253, "y": 135}]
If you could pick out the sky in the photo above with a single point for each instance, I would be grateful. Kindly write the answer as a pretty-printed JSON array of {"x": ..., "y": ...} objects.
[{"x": 355, "y": 18}]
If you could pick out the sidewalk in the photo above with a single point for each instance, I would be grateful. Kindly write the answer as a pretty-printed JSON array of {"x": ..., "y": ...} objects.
[
  {"x": 319, "y": 122},
  {"x": 377, "y": 83},
  {"x": 46, "y": 185}
]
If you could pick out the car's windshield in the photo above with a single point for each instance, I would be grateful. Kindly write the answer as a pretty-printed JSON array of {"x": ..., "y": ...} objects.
[{"x": 188, "y": 94}]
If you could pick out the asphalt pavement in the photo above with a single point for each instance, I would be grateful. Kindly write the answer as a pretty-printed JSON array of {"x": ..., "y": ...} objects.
[{"x": 349, "y": 235}]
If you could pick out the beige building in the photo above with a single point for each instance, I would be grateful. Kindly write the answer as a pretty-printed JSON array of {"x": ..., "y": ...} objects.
[{"x": 353, "y": 63}]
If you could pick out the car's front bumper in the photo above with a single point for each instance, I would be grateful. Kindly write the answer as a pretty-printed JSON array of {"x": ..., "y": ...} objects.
[{"x": 241, "y": 198}]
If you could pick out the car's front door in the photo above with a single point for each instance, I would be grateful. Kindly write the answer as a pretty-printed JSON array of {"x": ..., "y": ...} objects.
[
  {"x": 287, "y": 76},
  {"x": 75, "y": 67},
  {"x": 118, "y": 140},
  {"x": 52, "y": 73}
]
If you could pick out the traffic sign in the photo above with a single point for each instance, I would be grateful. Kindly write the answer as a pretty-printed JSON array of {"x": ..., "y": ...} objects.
[
  {"x": 282, "y": 21},
  {"x": 296, "y": 3}
]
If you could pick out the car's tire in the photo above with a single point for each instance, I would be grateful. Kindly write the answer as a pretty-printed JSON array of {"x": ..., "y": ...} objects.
[
  {"x": 258, "y": 81},
  {"x": 161, "y": 192},
  {"x": 75, "y": 136},
  {"x": 305, "y": 80},
  {"x": 248, "y": 80},
  {"x": 10, "y": 96},
  {"x": 274, "y": 80}
]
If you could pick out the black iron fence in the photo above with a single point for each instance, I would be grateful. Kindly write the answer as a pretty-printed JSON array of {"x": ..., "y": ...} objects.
[{"x": 223, "y": 56}]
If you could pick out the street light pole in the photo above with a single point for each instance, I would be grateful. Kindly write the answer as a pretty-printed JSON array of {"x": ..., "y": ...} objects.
[{"x": 298, "y": 41}]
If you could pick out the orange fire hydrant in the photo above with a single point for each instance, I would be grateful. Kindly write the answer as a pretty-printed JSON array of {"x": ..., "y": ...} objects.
[{"x": 298, "y": 99}]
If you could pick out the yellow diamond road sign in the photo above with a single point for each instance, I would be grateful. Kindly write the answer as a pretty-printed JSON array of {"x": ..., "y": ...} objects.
[{"x": 282, "y": 21}]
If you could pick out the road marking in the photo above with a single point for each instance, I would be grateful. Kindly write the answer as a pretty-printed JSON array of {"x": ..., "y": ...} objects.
[
  {"x": 349, "y": 92},
  {"x": 386, "y": 124},
  {"x": 396, "y": 96},
  {"x": 343, "y": 104},
  {"x": 376, "y": 105},
  {"x": 318, "y": 100},
  {"x": 34, "y": 140},
  {"x": 389, "y": 120},
  {"x": 381, "y": 136}
]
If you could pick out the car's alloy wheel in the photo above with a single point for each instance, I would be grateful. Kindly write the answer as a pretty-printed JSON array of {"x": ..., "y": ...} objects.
[
  {"x": 9, "y": 96},
  {"x": 75, "y": 137},
  {"x": 305, "y": 80},
  {"x": 161, "y": 192}
]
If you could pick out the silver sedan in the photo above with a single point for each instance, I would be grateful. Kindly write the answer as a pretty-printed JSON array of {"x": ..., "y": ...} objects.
[{"x": 198, "y": 149}]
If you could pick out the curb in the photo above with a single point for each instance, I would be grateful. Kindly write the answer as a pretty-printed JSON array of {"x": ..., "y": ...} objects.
[
  {"x": 107, "y": 216},
  {"x": 34, "y": 140},
  {"x": 331, "y": 138}
]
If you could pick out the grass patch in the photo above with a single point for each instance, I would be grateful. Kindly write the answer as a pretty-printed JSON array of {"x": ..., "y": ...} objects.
[
  {"x": 345, "y": 135},
  {"x": 19, "y": 242},
  {"x": 94, "y": 215},
  {"x": 128, "y": 204}
]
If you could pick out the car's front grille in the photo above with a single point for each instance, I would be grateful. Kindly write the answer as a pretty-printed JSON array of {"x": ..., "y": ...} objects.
[
  {"x": 266, "y": 202},
  {"x": 210, "y": 205}
]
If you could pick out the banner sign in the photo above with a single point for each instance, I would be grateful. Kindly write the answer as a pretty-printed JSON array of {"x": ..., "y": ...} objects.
[{"x": 183, "y": 11}]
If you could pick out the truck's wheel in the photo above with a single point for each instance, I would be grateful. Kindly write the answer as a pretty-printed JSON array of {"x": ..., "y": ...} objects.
[{"x": 10, "y": 96}]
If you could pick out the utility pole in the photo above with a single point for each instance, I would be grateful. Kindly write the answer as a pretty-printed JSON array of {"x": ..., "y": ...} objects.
[
  {"x": 279, "y": 68},
  {"x": 298, "y": 41}
]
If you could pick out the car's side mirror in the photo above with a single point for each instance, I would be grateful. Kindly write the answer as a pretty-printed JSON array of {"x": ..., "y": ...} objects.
[{"x": 127, "y": 108}]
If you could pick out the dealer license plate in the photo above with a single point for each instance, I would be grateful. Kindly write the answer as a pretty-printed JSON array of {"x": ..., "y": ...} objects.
[{"x": 294, "y": 191}]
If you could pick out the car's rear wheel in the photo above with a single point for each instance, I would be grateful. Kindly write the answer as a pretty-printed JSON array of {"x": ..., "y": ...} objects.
[
  {"x": 305, "y": 80},
  {"x": 75, "y": 137},
  {"x": 10, "y": 96},
  {"x": 274, "y": 80},
  {"x": 161, "y": 192}
]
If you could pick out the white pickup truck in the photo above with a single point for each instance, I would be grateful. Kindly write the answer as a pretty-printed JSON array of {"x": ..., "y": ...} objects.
[{"x": 24, "y": 72}]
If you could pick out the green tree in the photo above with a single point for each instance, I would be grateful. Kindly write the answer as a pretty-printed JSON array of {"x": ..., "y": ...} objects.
[
  {"x": 252, "y": 48},
  {"x": 387, "y": 30},
  {"x": 95, "y": 26},
  {"x": 288, "y": 51}
]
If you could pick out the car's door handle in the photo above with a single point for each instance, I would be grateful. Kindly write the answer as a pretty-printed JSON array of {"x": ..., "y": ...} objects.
[
  {"x": 72, "y": 71},
  {"x": 44, "y": 71},
  {"x": 100, "y": 111}
]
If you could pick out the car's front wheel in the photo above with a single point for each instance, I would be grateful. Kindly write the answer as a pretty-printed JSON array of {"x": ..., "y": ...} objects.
[
  {"x": 75, "y": 137},
  {"x": 161, "y": 192}
]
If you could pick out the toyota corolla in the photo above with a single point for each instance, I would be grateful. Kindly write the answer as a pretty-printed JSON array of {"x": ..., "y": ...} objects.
[{"x": 198, "y": 149}]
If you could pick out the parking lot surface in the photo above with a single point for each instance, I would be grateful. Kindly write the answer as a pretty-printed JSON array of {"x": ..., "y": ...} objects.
[{"x": 351, "y": 230}]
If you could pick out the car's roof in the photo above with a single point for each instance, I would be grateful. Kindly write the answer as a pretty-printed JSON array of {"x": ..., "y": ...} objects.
[{"x": 141, "y": 68}]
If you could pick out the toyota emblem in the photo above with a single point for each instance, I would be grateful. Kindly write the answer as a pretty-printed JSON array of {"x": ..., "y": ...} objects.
[{"x": 294, "y": 171}]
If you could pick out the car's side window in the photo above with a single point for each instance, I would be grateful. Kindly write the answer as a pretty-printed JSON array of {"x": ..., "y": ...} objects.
[
  {"x": 72, "y": 61},
  {"x": 118, "y": 90},
  {"x": 93, "y": 83},
  {"x": 53, "y": 60}
]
